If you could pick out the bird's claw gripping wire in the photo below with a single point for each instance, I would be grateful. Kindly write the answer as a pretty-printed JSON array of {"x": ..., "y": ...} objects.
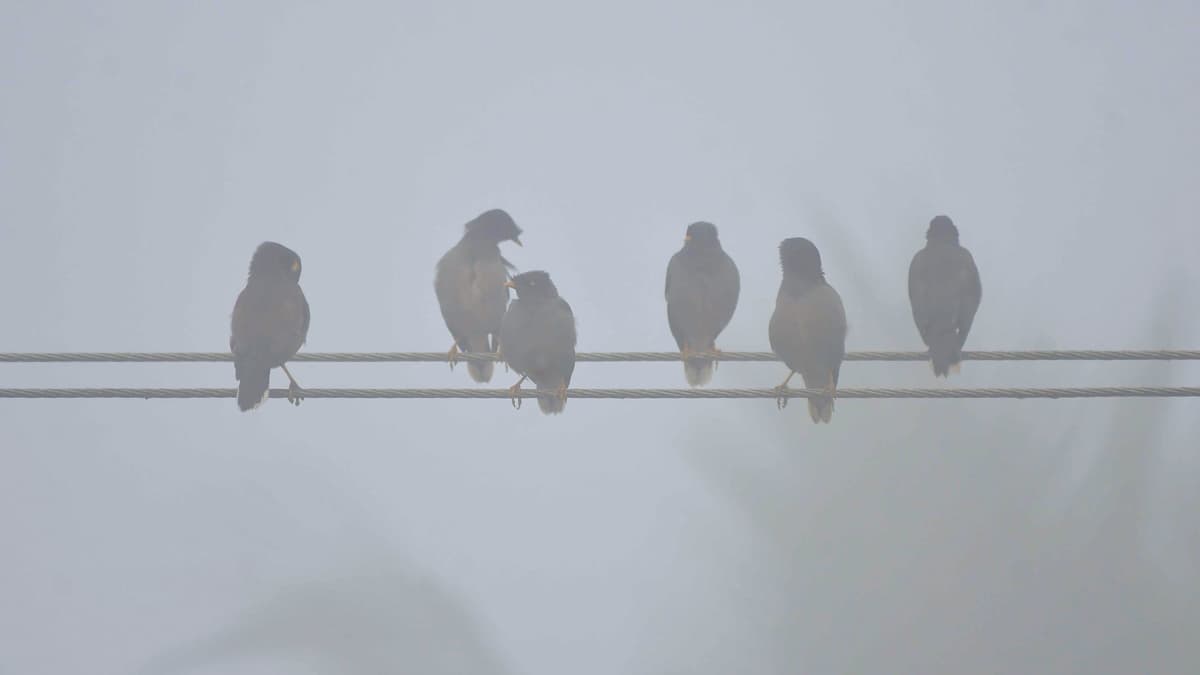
[
  {"x": 781, "y": 392},
  {"x": 514, "y": 393},
  {"x": 295, "y": 394}
]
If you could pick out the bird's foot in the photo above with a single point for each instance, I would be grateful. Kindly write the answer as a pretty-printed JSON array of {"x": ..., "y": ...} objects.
[
  {"x": 295, "y": 394},
  {"x": 716, "y": 358},
  {"x": 781, "y": 392},
  {"x": 514, "y": 393},
  {"x": 685, "y": 353},
  {"x": 452, "y": 355},
  {"x": 561, "y": 393},
  {"x": 781, "y": 396}
]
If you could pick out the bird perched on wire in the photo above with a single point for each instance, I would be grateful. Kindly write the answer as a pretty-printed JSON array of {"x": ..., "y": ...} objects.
[
  {"x": 808, "y": 328},
  {"x": 944, "y": 289},
  {"x": 702, "y": 294},
  {"x": 537, "y": 339},
  {"x": 270, "y": 324},
  {"x": 470, "y": 288}
]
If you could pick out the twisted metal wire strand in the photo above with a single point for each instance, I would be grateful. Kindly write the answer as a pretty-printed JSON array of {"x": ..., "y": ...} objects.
[
  {"x": 597, "y": 357},
  {"x": 990, "y": 393}
]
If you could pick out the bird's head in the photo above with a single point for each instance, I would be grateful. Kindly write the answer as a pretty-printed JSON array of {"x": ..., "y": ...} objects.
[
  {"x": 941, "y": 228},
  {"x": 701, "y": 234},
  {"x": 275, "y": 260},
  {"x": 495, "y": 226},
  {"x": 800, "y": 259},
  {"x": 535, "y": 284}
]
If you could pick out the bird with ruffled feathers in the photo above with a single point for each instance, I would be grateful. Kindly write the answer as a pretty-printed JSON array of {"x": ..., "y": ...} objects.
[
  {"x": 808, "y": 328},
  {"x": 470, "y": 287},
  {"x": 269, "y": 324}
]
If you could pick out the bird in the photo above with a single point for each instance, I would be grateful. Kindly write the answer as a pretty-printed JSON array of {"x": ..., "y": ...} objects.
[
  {"x": 270, "y": 324},
  {"x": 808, "y": 328},
  {"x": 537, "y": 340},
  {"x": 944, "y": 289},
  {"x": 470, "y": 286},
  {"x": 702, "y": 293}
]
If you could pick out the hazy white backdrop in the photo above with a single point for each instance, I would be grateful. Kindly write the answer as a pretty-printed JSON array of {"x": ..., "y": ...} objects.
[{"x": 146, "y": 148}]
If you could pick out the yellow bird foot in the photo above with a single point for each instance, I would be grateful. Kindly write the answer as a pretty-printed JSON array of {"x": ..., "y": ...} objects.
[{"x": 514, "y": 394}]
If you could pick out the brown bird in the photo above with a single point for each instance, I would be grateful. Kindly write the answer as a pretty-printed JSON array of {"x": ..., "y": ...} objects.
[
  {"x": 808, "y": 328},
  {"x": 944, "y": 289},
  {"x": 270, "y": 323},
  {"x": 469, "y": 284},
  {"x": 702, "y": 293},
  {"x": 538, "y": 338}
]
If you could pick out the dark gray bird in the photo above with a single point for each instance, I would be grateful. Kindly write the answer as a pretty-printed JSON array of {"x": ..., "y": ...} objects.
[
  {"x": 702, "y": 293},
  {"x": 537, "y": 338},
  {"x": 808, "y": 328},
  {"x": 944, "y": 289},
  {"x": 470, "y": 289},
  {"x": 270, "y": 323}
]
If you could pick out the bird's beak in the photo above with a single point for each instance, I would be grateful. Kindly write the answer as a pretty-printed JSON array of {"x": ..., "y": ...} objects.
[
  {"x": 509, "y": 284},
  {"x": 517, "y": 241}
]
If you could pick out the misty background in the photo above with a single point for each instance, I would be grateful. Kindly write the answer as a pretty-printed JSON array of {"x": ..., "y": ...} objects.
[{"x": 146, "y": 148}]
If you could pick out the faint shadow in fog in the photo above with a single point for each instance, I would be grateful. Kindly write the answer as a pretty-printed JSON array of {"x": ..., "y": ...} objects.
[
  {"x": 925, "y": 547},
  {"x": 382, "y": 620}
]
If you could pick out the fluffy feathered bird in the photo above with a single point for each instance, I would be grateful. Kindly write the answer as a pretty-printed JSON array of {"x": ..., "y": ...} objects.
[
  {"x": 470, "y": 287},
  {"x": 702, "y": 293},
  {"x": 944, "y": 289},
  {"x": 808, "y": 328},
  {"x": 270, "y": 324},
  {"x": 537, "y": 339}
]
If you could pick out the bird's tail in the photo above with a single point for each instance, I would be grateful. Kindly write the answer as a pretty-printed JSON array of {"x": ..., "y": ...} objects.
[
  {"x": 820, "y": 408},
  {"x": 699, "y": 372},
  {"x": 253, "y": 385},
  {"x": 549, "y": 399},
  {"x": 481, "y": 371},
  {"x": 945, "y": 353}
]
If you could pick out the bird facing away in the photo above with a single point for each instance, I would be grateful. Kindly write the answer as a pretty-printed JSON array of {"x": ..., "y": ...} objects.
[
  {"x": 470, "y": 289},
  {"x": 944, "y": 289},
  {"x": 702, "y": 293},
  {"x": 537, "y": 338},
  {"x": 808, "y": 328},
  {"x": 270, "y": 323}
]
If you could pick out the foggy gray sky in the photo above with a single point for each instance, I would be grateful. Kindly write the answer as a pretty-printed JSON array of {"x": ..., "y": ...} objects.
[{"x": 146, "y": 148}]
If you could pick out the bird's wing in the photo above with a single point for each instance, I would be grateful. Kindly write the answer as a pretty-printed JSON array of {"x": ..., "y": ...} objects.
[
  {"x": 565, "y": 331},
  {"x": 514, "y": 337},
  {"x": 489, "y": 295},
  {"x": 673, "y": 287},
  {"x": 918, "y": 293},
  {"x": 727, "y": 286},
  {"x": 971, "y": 297},
  {"x": 307, "y": 317},
  {"x": 452, "y": 285}
]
